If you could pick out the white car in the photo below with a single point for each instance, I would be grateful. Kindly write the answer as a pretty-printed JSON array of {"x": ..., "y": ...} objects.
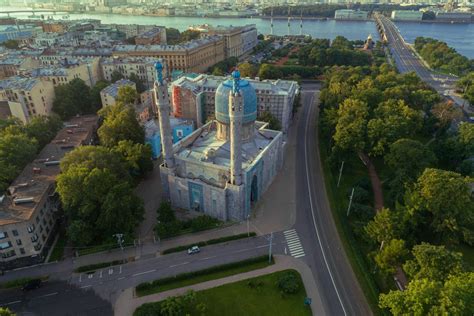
[{"x": 193, "y": 250}]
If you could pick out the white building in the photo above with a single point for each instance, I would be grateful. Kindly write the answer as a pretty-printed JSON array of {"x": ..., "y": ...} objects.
[
  {"x": 406, "y": 15},
  {"x": 349, "y": 14},
  {"x": 194, "y": 98},
  {"x": 109, "y": 94}
]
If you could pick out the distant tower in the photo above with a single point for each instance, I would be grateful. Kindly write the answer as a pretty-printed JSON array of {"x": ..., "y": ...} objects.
[
  {"x": 301, "y": 23},
  {"x": 235, "y": 116},
  {"x": 162, "y": 101},
  {"x": 271, "y": 22},
  {"x": 288, "y": 20}
]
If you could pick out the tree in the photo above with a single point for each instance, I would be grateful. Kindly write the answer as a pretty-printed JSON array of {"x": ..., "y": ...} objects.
[
  {"x": 273, "y": 122},
  {"x": 457, "y": 295},
  {"x": 392, "y": 254},
  {"x": 217, "y": 72},
  {"x": 409, "y": 158},
  {"x": 466, "y": 138},
  {"x": 44, "y": 128},
  {"x": 384, "y": 227},
  {"x": 137, "y": 156},
  {"x": 247, "y": 70},
  {"x": 6, "y": 312},
  {"x": 17, "y": 150},
  {"x": 446, "y": 112},
  {"x": 351, "y": 127},
  {"x": 116, "y": 76},
  {"x": 72, "y": 98},
  {"x": 443, "y": 201},
  {"x": 172, "y": 36},
  {"x": 392, "y": 120},
  {"x": 289, "y": 282},
  {"x": 11, "y": 44},
  {"x": 138, "y": 82},
  {"x": 433, "y": 263},
  {"x": 417, "y": 299},
  {"x": 127, "y": 95},
  {"x": 96, "y": 101},
  {"x": 120, "y": 123},
  {"x": 267, "y": 71}
]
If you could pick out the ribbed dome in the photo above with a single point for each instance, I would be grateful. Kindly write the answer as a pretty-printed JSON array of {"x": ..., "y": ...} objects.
[{"x": 222, "y": 101}]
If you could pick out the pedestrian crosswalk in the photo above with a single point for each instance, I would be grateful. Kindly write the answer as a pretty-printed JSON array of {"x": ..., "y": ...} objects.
[{"x": 294, "y": 244}]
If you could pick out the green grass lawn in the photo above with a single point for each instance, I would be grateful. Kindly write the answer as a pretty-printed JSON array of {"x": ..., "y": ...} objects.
[
  {"x": 221, "y": 273},
  {"x": 58, "y": 250},
  {"x": 240, "y": 299}
]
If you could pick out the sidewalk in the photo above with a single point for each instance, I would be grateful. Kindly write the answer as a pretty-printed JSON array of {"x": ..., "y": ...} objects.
[{"x": 127, "y": 303}]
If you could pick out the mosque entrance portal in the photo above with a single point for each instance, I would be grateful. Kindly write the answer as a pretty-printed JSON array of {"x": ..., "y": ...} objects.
[{"x": 254, "y": 190}]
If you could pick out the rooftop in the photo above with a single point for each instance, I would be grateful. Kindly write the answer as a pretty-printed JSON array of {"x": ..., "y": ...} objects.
[
  {"x": 168, "y": 48},
  {"x": 112, "y": 89},
  {"x": 38, "y": 177},
  {"x": 207, "y": 148},
  {"x": 150, "y": 33},
  {"x": 18, "y": 83},
  {"x": 129, "y": 60}
]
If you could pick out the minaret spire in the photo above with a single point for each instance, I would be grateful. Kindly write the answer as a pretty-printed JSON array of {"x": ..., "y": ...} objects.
[
  {"x": 301, "y": 22},
  {"x": 235, "y": 115},
  {"x": 162, "y": 101}
]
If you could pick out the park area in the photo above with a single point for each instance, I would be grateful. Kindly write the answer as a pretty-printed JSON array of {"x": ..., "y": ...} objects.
[{"x": 279, "y": 293}]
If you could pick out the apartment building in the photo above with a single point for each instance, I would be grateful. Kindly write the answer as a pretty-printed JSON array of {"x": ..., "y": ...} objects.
[
  {"x": 88, "y": 70},
  {"x": 194, "y": 98},
  {"x": 154, "y": 36},
  {"x": 238, "y": 40},
  {"x": 109, "y": 94},
  {"x": 132, "y": 30},
  {"x": 29, "y": 210},
  {"x": 193, "y": 56},
  {"x": 27, "y": 97},
  {"x": 143, "y": 67}
]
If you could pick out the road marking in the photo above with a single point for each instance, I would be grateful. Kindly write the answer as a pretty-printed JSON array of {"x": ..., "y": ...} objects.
[
  {"x": 90, "y": 276},
  {"x": 262, "y": 246},
  {"x": 179, "y": 264},
  {"x": 85, "y": 286},
  {"x": 293, "y": 242},
  {"x": 140, "y": 273},
  {"x": 100, "y": 274},
  {"x": 121, "y": 278},
  {"x": 120, "y": 270},
  {"x": 208, "y": 258},
  {"x": 80, "y": 277},
  {"x": 11, "y": 303},
  {"x": 46, "y": 295},
  {"x": 111, "y": 271},
  {"x": 312, "y": 211}
]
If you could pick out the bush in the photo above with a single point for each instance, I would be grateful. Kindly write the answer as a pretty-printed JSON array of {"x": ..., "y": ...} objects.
[
  {"x": 93, "y": 267},
  {"x": 203, "y": 222},
  {"x": 147, "y": 286},
  {"x": 19, "y": 282},
  {"x": 208, "y": 242},
  {"x": 289, "y": 283}
]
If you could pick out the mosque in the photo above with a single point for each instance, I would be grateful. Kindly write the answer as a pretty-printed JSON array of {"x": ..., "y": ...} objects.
[{"x": 225, "y": 166}]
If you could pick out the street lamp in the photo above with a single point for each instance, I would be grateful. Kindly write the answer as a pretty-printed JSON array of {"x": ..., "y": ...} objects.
[{"x": 248, "y": 226}]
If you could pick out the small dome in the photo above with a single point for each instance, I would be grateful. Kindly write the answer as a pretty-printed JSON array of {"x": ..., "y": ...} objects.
[{"x": 222, "y": 100}]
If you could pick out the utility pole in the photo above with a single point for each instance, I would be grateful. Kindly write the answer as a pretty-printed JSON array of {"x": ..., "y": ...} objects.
[
  {"x": 340, "y": 173},
  {"x": 270, "y": 248},
  {"x": 119, "y": 240},
  {"x": 350, "y": 202}
]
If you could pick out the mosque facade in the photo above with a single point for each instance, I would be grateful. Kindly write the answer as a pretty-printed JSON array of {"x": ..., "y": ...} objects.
[{"x": 224, "y": 167}]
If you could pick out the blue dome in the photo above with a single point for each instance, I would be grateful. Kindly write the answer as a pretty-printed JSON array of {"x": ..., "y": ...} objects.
[{"x": 222, "y": 101}]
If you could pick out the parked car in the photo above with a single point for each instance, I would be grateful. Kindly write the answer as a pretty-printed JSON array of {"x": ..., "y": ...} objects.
[
  {"x": 31, "y": 285},
  {"x": 193, "y": 250}
]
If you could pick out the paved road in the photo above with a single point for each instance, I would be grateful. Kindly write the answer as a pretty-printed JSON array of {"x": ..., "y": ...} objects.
[{"x": 337, "y": 283}]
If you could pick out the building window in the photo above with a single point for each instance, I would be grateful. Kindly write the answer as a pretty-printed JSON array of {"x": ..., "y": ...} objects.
[
  {"x": 3, "y": 235},
  {"x": 15, "y": 232},
  {"x": 37, "y": 219},
  {"x": 31, "y": 228},
  {"x": 34, "y": 238},
  {"x": 5, "y": 245}
]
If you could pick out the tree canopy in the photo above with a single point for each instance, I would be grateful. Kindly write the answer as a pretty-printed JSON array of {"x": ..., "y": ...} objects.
[{"x": 120, "y": 123}]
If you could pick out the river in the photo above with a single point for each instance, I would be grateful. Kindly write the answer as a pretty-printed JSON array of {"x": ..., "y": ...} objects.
[{"x": 459, "y": 36}]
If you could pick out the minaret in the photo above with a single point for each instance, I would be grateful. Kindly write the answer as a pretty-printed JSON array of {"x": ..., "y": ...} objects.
[
  {"x": 162, "y": 101},
  {"x": 271, "y": 23},
  {"x": 235, "y": 116}
]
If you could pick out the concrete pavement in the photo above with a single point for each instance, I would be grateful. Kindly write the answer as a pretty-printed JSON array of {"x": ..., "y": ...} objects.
[{"x": 128, "y": 302}]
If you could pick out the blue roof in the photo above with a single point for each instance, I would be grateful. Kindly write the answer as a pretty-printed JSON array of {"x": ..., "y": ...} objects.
[
  {"x": 112, "y": 90},
  {"x": 222, "y": 101},
  {"x": 19, "y": 83}
]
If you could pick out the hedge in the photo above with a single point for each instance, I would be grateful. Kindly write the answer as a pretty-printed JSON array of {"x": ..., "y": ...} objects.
[
  {"x": 208, "y": 242},
  {"x": 147, "y": 286},
  {"x": 20, "y": 282},
  {"x": 93, "y": 267}
]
